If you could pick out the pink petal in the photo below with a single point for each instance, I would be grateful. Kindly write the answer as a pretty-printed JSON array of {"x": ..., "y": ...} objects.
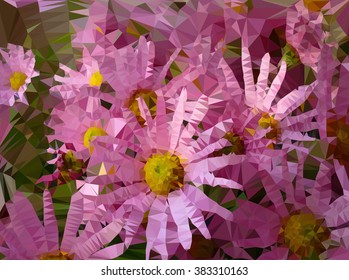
[
  {"x": 50, "y": 223},
  {"x": 178, "y": 208}
]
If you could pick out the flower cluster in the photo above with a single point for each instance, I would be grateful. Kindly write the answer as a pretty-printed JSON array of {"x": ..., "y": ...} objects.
[{"x": 196, "y": 129}]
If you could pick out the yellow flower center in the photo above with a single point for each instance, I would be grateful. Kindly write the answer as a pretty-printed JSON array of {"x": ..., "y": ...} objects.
[
  {"x": 303, "y": 235},
  {"x": 150, "y": 99},
  {"x": 267, "y": 121},
  {"x": 59, "y": 256},
  {"x": 17, "y": 80},
  {"x": 96, "y": 79},
  {"x": 315, "y": 5},
  {"x": 237, "y": 145},
  {"x": 71, "y": 166},
  {"x": 90, "y": 135},
  {"x": 164, "y": 173},
  {"x": 242, "y": 7}
]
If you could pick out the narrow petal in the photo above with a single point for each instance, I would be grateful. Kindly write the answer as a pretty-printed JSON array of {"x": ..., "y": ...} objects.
[
  {"x": 50, "y": 223},
  {"x": 109, "y": 253},
  {"x": 84, "y": 250},
  {"x": 292, "y": 100},
  {"x": 26, "y": 224},
  {"x": 157, "y": 228},
  {"x": 177, "y": 121},
  {"x": 74, "y": 219},
  {"x": 262, "y": 82},
  {"x": 204, "y": 203},
  {"x": 250, "y": 89},
  {"x": 179, "y": 213},
  {"x": 275, "y": 87}
]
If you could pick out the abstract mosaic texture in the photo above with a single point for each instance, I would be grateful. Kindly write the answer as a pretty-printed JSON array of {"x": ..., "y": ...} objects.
[{"x": 192, "y": 129}]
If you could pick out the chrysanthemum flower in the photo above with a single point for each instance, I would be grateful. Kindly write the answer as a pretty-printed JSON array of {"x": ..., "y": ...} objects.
[
  {"x": 167, "y": 166},
  {"x": 314, "y": 223},
  {"x": 304, "y": 31},
  {"x": 82, "y": 120},
  {"x": 24, "y": 236},
  {"x": 88, "y": 75},
  {"x": 273, "y": 111},
  {"x": 17, "y": 71}
]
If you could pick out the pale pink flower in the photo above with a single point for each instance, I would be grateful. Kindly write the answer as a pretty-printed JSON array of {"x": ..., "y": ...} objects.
[
  {"x": 17, "y": 71},
  {"x": 304, "y": 32},
  {"x": 129, "y": 162},
  {"x": 274, "y": 110},
  {"x": 24, "y": 236}
]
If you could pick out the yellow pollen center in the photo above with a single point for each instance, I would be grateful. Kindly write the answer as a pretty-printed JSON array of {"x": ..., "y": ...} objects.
[
  {"x": 59, "y": 256},
  {"x": 90, "y": 135},
  {"x": 96, "y": 79},
  {"x": 268, "y": 121},
  {"x": 71, "y": 166},
  {"x": 17, "y": 80},
  {"x": 304, "y": 234},
  {"x": 164, "y": 173},
  {"x": 315, "y": 5},
  {"x": 242, "y": 7},
  {"x": 150, "y": 99},
  {"x": 237, "y": 145}
]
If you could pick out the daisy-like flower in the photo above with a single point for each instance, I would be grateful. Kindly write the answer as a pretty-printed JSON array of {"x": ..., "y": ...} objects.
[
  {"x": 78, "y": 118},
  {"x": 82, "y": 120},
  {"x": 164, "y": 166},
  {"x": 304, "y": 30},
  {"x": 272, "y": 110},
  {"x": 89, "y": 73},
  {"x": 314, "y": 223},
  {"x": 17, "y": 71},
  {"x": 86, "y": 81},
  {"x": 24, "y": 236},
  {"x": 131, "y": 73},
  {"x": 319, "y": 233}
]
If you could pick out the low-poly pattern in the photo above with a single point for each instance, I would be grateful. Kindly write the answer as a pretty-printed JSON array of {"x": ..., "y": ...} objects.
[{"x": 191, "y": 129}]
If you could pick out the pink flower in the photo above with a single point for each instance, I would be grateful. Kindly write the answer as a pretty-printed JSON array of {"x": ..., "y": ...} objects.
[
  {"x": 274, "y": 120},
  {"x": 88, "y": 75},
  {"x": 17, "y": 72},
  {"x": 304, "y": 32},
  {"x": 129, "y": 69},
  {"x": 24, "y": 236},
  {"x": 314, "y": 223},
  {"x": 81, "y": 120},
  {"x": 164, "y": 166}
]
